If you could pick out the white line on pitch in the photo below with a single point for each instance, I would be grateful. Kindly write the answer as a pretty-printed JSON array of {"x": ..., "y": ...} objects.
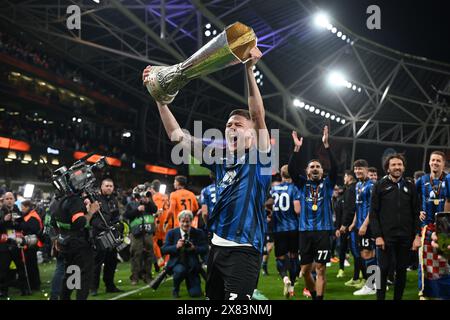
[{"x": 126, "y": 294}]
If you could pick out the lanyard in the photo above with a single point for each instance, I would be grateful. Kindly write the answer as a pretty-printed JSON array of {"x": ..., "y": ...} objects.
[{"x": 315, "y": 195}]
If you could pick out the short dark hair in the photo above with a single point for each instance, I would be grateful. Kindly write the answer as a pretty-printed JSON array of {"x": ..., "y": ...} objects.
[
  {"x": 155, "y": 185},
  {"x": 313, "y": 160},
  {"x": 361, "y": 163},
  {"x": 349, "y": 173},
  {"x": 27, "y": 203},
  {"x": 240, "y": 112},
  {"x": 108, "y": 180},
  {"x": 373, "y": 169},
  {"x": 419, "y": 174},
  {"x": 182, "y": 180},
  {"x": 439, "y": 153},
  {"x": 393, "y": 156}
]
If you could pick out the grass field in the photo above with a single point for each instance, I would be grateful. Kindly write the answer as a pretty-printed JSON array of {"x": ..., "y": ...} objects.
[{"x": 270, "y": 286}]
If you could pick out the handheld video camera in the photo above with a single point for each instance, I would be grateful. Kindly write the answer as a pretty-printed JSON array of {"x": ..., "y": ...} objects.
[{"x": 78, "y": 177}]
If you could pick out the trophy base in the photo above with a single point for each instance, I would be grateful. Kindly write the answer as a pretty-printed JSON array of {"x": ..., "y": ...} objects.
[{"x": 161, "y": 80}]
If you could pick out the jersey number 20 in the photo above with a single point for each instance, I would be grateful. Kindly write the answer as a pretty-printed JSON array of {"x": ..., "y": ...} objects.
[{"x": 281, "y": 201}]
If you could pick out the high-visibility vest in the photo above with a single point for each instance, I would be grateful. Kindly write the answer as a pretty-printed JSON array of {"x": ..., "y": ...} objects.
[{"x": 34, "y": 214}]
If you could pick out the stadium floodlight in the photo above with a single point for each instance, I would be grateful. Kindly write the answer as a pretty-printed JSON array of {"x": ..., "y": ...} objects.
[
  {"x": 327, "y": 115},
  {"x": 336, "y": 78},
  {"x": 307, "y": 107},
  {"x": 317, "y": 111},
  {"x": 339, "y": 34},
  {"x": 359, "y": 89},
  {"x": 338, "y": 119},
  {"x": 343, "y": 121},
  {"x": 322, "y": 113},
  {"x": 28, "y": 192},
  {"x": 332, "y": 117},
  {"x": 126, "y": 134},
  {"x": 302, "y": 104},
  {"x": 321, "y": 20},
  {"x": 74, "y": 119},
  {"x": 312, "y": 108},
  {"x": 329, "y": 26},
  {"x": 79, "y": 120},
  {"x": 214, "y": 32},
  {"x": 12, "y": 155},
  {"x": 333, "y": 30},
  {"x": 296, "y": 102},
  {"x": 96, "y": 1},
  {"x": 208, "y": 25},
  {"x": 344, "y": 37},
  {"x": 133, "y": 165},
  {"x": 353, "y": 87},
  {"x": 207, "y": 33},
  {"x": 162, "y": 188}
]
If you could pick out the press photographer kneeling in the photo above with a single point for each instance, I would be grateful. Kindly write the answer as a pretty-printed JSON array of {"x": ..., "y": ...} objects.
[{"x": 185, "y": 245}]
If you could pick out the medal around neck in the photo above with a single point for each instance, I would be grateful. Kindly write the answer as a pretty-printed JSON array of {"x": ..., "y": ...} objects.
[{"x": 230, "y": 47}]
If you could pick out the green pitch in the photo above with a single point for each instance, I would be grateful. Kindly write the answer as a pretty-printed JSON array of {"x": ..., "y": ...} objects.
[{"x": 270, "y": 286}]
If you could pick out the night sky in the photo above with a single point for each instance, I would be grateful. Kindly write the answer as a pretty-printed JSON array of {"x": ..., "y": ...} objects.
[{"x": 417, "y": 27}]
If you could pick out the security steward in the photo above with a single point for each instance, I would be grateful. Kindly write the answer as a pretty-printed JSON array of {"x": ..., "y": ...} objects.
[
  {"x": 32, "y": 225},
  {"x": 109, "y": 207},
  {"x": 73, "y": 220},
  {"x": 140, "y": 213},
  {"x": 10, "y": 219}
]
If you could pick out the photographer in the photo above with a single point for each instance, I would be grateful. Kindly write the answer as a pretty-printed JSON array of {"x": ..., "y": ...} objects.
[
  {"x": 10, "y": 218},
  {"x": 184, "y": 245},
  {"x": 108, "y": 258},
  {"x": 32, "y": 225},
  {"x": 73, "y": 218},
  {"x": 140, "y": 213}
]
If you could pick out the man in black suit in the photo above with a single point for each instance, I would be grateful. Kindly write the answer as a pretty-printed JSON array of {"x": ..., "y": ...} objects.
[{"x": 184, "y": 245}]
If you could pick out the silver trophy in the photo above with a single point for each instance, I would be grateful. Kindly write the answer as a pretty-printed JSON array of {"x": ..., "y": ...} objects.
[{"x": 230, "y": 47}]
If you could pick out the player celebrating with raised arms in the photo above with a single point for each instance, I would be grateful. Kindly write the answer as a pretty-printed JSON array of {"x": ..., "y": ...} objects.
[{"x": 316, "y": 216}]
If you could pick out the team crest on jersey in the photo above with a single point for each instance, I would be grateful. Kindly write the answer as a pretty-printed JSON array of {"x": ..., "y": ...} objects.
[{"x": 228, "y": 179}]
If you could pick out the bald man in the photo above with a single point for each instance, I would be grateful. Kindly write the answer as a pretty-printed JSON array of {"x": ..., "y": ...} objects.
[{"x": 10, "y": 218}]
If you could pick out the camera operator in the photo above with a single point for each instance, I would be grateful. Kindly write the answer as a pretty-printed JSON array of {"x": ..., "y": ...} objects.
[
  {"x": 108, "y": 258},
  {"x": 10, "y": 218},
  {"x": 140, "y": 213},
  {"x": 184, "y": 245},
  {"x": 73, "y": 217},
  {"x": 32, "y": 225}
]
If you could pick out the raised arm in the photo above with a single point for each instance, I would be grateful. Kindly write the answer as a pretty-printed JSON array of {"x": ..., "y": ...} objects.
[
  {"x": 332, "y": 174},
  {"x": 255, "y": 103},
  {"x": 294, "y": 164},
  {"x": 173, "y": 129}
]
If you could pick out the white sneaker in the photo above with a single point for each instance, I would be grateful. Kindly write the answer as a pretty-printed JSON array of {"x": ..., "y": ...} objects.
[
  {"x": 365, "y": 291},
  {"x": 346, "y": 263}
]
